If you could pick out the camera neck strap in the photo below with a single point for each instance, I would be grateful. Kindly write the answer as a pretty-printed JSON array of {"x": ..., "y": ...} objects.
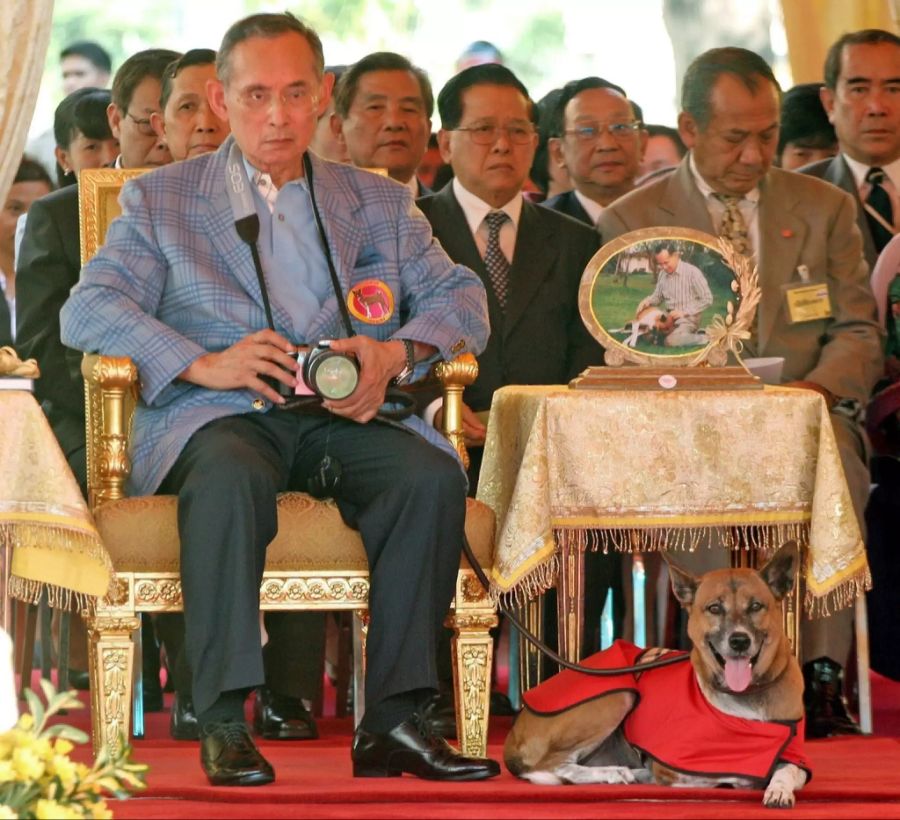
[{"x": 246, "y": 222}]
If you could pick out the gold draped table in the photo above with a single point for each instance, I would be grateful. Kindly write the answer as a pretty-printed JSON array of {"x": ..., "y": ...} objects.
[
  {"x": 568, "y": 470},
  {"x": 45, "y": 525}
]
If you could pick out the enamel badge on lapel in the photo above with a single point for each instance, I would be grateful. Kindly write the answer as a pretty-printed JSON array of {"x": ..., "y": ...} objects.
[{"x": 371, "y": 301}]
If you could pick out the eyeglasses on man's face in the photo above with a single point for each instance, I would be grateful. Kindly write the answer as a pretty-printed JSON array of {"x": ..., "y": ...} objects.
[
  {"x": 299, "y": 99},
  {"x": 143, "y": 125},
  {"x": 591, "y": 132},
  {"x": 488, "y": 133}
]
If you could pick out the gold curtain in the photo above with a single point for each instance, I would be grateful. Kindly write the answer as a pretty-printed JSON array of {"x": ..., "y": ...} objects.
[
  {"x": 812, "y": 26},
  {"x": 25, "y": 33}
]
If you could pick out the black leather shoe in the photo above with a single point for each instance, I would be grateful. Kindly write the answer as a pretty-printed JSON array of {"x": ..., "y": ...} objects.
[
  {"x": 278, "y": 717},
  {"x": 412, "y": 747},
  {"x": 183, "y": 720},
  {"x": 230, "y": 757},
  {"x": 826, "y": 708}
]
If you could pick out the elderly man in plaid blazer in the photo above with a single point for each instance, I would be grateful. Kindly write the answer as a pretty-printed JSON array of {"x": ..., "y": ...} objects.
[{"x": 177, "y": 289}]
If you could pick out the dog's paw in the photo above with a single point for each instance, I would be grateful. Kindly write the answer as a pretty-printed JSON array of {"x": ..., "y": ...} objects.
[
  {"x": 579, "y": 775},
  {"x": 778, "y": 796}
]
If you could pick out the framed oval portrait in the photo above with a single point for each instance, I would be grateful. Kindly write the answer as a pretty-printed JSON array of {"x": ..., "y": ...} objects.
[{"x": 653, "y": 296}]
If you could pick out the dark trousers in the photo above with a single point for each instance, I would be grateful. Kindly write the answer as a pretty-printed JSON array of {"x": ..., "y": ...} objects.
[{"x": 405, "y": 496}]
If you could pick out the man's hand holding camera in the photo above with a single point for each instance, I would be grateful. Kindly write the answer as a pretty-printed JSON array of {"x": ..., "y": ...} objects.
[
  {"x": 379, "y": 362},
  {"x": 246, "y": 363}
]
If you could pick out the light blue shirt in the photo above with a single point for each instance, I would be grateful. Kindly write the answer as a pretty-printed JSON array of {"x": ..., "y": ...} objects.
[{"x": 290, "y": 251}]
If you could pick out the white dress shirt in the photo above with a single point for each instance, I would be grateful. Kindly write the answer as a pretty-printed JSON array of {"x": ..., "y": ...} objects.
[
  {"x": 593, "y": 208},
  {"x": 476, "y": 209}
]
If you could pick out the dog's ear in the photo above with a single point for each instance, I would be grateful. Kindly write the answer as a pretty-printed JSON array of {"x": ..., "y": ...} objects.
[
  {"x": 684, "y": 585},
  {"x": 781, "y": 569}
]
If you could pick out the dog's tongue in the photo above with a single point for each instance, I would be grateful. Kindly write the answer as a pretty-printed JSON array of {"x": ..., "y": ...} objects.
[{"x": 738, "y": 673}]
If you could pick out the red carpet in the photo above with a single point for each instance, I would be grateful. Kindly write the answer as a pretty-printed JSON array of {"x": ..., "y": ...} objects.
[{"x": 856, "y": 778}]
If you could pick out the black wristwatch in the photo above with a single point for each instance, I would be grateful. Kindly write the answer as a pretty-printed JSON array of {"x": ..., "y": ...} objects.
[{"x": 406, "y": 374}]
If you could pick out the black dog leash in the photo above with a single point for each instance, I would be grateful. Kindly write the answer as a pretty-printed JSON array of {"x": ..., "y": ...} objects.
[{"x": 546, "y": 650}]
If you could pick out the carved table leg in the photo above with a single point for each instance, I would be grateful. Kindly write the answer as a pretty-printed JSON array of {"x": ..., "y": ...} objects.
[
  {"x": 531, "y": 660},
  {"x": 570, "y": 601}
]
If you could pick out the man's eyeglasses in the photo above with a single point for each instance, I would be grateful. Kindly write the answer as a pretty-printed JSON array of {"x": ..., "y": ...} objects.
[
  {"x": 143, "y": 125},
  {"x": 489, "y": 134},
  {"x": 297, "y": 99},
  {"x": 617, "y": 130}
]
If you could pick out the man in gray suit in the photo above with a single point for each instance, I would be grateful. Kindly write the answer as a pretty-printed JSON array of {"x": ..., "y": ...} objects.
[
  {"x": 218, "y": 270},
  {"x": 862, "y": 98},
  {"x": 799, "y": 230}
]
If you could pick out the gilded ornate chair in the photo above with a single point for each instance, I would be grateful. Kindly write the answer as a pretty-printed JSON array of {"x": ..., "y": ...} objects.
[{"x": 315, "y": 562}]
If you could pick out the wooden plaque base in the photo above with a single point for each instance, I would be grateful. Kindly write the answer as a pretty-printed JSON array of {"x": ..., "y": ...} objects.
[{"x": 663, "y": 378}]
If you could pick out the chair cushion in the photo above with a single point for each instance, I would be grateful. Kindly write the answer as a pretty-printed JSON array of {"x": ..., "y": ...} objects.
[{"x": 141, "y": 535}]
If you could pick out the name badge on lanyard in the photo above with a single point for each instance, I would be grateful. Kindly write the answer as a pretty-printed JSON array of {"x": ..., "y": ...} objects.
[{"x": 807, "y": 301}]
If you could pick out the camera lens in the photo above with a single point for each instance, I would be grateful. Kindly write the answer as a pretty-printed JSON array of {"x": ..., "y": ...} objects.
[{"x": 333, "y": 375}]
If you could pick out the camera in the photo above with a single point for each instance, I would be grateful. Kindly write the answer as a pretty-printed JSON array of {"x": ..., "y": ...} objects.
[{"x": 325, "y": 373}]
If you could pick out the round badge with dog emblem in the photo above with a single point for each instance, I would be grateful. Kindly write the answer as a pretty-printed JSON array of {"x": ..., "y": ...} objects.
[
  {"x": 371, "y": 301},
  {"x": 667, "y": 297}
]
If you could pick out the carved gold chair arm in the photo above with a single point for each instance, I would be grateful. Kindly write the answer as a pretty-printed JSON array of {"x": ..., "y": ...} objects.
[
  {"x": 110, "y": 387},
  {"x": 455, "y": 375}
]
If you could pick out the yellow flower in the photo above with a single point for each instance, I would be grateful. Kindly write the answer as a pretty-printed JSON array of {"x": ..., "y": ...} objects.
[
  {"x": 7, "y": 773},
  {"x": 101, "y": 811},
  {"x": 26, "y": 722},
  {"x": 62, "y": 746},
  {"x": 27, "y": 764},
  {"x": 6, "y": 813},
  {"x": 51, "y": 810},
  {"x": 64, "y": 769}
]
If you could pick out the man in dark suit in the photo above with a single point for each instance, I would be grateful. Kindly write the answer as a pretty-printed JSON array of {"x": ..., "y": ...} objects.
[
  {"x": 382, "y": 114},
  {"x": 862, "y": 80},
  {"x": 600, "y": 141},
  {"x": 799, "y": 230},
  {"x": 537, "y": 336}
]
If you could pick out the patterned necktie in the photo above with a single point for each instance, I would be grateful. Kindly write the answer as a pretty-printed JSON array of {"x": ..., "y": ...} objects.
[
  {"x": 734, "y": 229},
  {"x": 879, "y": 200},
  {"x": 733, "y": 226},
  {"x": 496, "y": 263}
]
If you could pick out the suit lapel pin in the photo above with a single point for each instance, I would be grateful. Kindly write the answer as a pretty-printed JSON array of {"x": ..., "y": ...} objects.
[{"x": 787, "y": 233}]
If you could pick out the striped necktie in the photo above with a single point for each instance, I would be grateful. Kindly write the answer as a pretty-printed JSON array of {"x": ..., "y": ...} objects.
[
  {"x": 879, "y": 201},
  {"x": 496, "y": 263}
]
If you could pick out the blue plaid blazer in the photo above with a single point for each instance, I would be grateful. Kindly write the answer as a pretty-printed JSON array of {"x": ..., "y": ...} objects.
[{"x": 174, "y": 281}]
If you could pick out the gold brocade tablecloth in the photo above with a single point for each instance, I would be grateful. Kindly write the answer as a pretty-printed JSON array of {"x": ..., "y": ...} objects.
[
  {"x": 43, "y": 515},
  {"x": 639, "y": 470}
]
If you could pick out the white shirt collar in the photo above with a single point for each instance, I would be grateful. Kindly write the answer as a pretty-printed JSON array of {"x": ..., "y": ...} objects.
[
  {"x": 477, "y": 209},
  {"x": 707, "y": 190},
  {"x": 860, "y": 169},
  {"x": 593, "y": 208}
]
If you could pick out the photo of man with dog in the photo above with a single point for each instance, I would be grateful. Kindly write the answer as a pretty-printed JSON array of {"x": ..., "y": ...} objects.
[{"x": 657, "y": 296}]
